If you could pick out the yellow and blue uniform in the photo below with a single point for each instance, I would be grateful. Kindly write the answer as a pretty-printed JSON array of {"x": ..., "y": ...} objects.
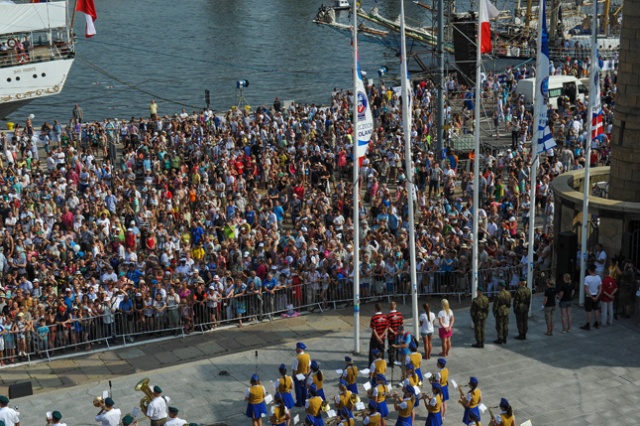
[
  {"x": 379, "y": 396},
  {"x": 314, "y": 407},
  {"x": 415, "y": 358},
  {"x": 444, "y": 382},
  {"x": 434, "y": 408},
  {"x": 315, "y": 380},
  {"x": 301, "y": 365},
  {"x": 372, "y": 419},
  {"x": 343, "y": 400},
  {"x": 504, "y": 419},
  {"x": 350, "y": 375},
  {"x": 285, "y": 385},
  {"x": 404, "y": 413},
  {"x": 379, "y": 366},
  {"x": 279, "y": 415},
  {"x": 473, "y": 398},
  {"x": 255, "y": 397}
]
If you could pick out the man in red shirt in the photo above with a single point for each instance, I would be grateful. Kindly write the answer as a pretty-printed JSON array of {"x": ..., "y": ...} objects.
[
  {"x": 379, "y": 326},
  {"x": 609, "y": 289},
  {"x": 396, "y": 320}
]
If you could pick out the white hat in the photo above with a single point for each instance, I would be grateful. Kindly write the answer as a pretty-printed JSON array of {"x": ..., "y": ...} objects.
[{"x": 246, "y": 254}]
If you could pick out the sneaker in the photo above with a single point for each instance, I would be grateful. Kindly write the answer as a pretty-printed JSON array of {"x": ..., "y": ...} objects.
[
  {"x": 587, "y": 326},
  {"x": 596, "y": 324}
]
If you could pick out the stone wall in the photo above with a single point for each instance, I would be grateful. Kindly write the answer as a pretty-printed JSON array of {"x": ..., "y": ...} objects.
[{"x": 624, "y": 183}]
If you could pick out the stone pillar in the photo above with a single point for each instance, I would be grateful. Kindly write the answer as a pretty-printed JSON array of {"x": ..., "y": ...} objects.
[{"x": 624, "y": 181}]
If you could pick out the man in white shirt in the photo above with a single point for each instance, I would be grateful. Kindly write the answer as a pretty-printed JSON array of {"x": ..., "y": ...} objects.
[
  {"x": 157, "y": 409},
  {"x": 174, "y": 420},
  {"x": 592, "y": 290},
  {"x": 109, "y": 416},
  {"x": 55, "y": 419},
  {"x": 9, "y": 416},
  {"x": 601, "y": 260}
]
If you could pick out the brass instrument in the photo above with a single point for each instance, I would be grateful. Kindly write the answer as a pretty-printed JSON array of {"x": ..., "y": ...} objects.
[
  {"x": 326, "y": 407},
  {"x": 98, "y": 402},
  {"x": 462, "y": 397},
  {"x": 143, "y": 386}
]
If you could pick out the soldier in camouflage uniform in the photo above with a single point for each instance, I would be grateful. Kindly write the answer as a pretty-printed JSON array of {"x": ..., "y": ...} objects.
[
  {"x": 479, "y": 314},
  {"x": 521, "y": 303},
  {"x": 501, "y": 307}
]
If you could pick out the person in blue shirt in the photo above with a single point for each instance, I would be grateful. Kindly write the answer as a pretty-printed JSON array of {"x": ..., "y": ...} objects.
[
  {"x": 133, "y": 274},
  {"x": 403, "y": 340},
  {"x": 270, "y": 286},
  {"x": 196, "y": 233},
  {"x": 279, "y": 212}
]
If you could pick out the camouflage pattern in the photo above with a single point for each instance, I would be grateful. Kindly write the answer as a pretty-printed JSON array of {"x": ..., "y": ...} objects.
[
  {"x": 521, "y": 303},
  {"x": 479, "y": 314},
  {"x": 501, "y": 307}
]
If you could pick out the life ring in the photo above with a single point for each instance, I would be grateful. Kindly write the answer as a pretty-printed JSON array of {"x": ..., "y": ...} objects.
[
  {"x": 23, "y": 58},
  {"x": 12, "y": 42}
]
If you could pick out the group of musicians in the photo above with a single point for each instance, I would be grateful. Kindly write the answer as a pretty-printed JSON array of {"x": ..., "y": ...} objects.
[{"x": 307, "y": 382}]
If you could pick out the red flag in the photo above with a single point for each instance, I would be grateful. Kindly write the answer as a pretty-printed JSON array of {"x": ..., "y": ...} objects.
[
  {"x": 89, "y": 9},
  {"x": 487, "y": 11}
]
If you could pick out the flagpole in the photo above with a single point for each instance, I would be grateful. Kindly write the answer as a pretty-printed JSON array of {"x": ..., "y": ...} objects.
[
  {"x": 594, "y": 95},
  {"x": 534, "y": 147},
  {"x": 406, "y": 123},
  {"x": 356, "y": 191},
  {"x": 476, "y": 156}
]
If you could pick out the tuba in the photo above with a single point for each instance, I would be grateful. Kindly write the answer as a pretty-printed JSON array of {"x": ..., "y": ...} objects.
[
  {"x": 143, "y": 386},
  {"x": 98, "y": 402}
]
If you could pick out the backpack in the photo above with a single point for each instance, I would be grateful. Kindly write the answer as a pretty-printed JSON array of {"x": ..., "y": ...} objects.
[{"x": 413, "y": 338}]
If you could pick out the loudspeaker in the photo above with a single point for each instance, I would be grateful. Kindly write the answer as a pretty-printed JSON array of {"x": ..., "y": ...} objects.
[
  {"x": 18, "y": 390},
  {"x": 566, "y": 253},
  {"x": 464, "y": 47}
]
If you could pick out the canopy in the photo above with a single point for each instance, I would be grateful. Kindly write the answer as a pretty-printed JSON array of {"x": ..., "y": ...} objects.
[{"x": 29, "y": 17}]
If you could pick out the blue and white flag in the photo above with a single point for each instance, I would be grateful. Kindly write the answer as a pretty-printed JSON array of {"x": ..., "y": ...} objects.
[
  {"x": 545, "y": 138},
  {"x": 365, "y": 118}
]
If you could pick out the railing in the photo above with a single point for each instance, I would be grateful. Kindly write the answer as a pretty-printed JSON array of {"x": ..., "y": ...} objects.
[{"x": 22, "y": 344}]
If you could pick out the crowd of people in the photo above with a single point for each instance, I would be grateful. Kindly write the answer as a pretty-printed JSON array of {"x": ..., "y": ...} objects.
[{"x": 126, "y": 228}]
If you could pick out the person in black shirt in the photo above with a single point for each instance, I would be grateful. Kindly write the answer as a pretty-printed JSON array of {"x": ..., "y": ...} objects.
[{"x": 565, "y": 294}]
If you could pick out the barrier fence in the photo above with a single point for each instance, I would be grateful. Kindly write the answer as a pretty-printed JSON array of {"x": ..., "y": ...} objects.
[{"x": 107, "y": 326}]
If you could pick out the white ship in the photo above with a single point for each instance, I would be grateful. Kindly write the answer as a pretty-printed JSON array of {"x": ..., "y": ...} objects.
[{"x": 36, "y": 51}]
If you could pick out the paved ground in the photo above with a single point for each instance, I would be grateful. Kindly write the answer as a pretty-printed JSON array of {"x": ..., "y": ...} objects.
[{"x": 584, "y": 378}]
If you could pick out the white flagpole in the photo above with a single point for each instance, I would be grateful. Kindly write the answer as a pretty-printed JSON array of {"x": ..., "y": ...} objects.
[
  {"x": 406, "y": 123},
  {"x": 476, "y": 157},
  {"x": 356, "y": 191},
  {"x": 537, "y": 110},
  {"x": 593, "y": 100}
]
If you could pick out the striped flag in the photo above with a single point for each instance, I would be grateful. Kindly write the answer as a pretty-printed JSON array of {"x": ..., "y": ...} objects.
[
  {"x": 597, "y": 125},
  {"x": 89, "y": 9},
  {"x": 545, "y": 138},
  {"x": 487, "y": 11}
]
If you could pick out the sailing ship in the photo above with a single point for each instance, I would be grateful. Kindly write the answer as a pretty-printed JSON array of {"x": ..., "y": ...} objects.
[{"x": 36, "y": 51}]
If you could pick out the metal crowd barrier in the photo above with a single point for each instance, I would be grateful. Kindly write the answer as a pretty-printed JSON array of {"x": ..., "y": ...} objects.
[{"x": 192, "y": 316}]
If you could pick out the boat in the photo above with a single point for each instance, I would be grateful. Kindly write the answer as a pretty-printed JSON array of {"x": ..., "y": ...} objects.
[
  {"x": 36, "y": 51},
  {"x": 341, "y": 5}
]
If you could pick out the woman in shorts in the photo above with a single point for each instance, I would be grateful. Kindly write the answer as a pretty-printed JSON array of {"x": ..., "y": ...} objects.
[
  {"x": 427, "y": 318},
  {"x": 565, "y": 295},
  {"x": 445, "y": 318}
]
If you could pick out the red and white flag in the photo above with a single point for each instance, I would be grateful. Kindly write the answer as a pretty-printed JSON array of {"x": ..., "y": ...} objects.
[
  {"x": 487, "y": 11},
  {"x": 89, "y": 9}
]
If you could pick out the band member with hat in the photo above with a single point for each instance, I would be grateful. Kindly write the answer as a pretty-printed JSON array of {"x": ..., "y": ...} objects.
[
  {"x": 55, "y": 419},
  {"x": 343, "y": 399},
  {"x": 410, "y": 376},
  {"x": 379, "y": 396},
  {"x": 128, "y": 420},
  {"x": 350, "y": 374},
  {"x": 285, "y": 385},
  {"x": 255, "y": 397},
  {"x": 346, "y": 418},
  {"x": 316, "y": 377},
  {"x": 280, "y": 416},
  {"x": 444, "y": 384},
  {"x": 9, "y": 416},
  {"x": 404, "y": 406},
  {"x": 506, "y": 417},
  {"x": 415, "y": 358},
  {"x": 157, "y": 408},
  {"x": 313, "y": 406},
  {"x": 174, "y": 420},
  {"x": 301, "y": 365},
  {"x": 471, "y": 402},
  {"x": 373, "y": 418},
  {"x": 433, "y": 404},
  {"x": 108, "y": 415},
  {"x": 378, "y": 366}
]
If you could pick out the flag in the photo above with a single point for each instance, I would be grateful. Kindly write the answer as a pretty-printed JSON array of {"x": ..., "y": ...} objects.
[
  {"x": 406, "y": 88},
  {"x": 487, "y": 11},
  {"x": 89, "y": 9},
  {"x": 364, "y": 117},
  {"x": 545, "y": 138},
  {"x": 597, "y": 126}
]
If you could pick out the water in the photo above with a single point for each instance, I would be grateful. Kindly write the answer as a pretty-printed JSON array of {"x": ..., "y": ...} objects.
[{"x": 173, "y": 51}]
